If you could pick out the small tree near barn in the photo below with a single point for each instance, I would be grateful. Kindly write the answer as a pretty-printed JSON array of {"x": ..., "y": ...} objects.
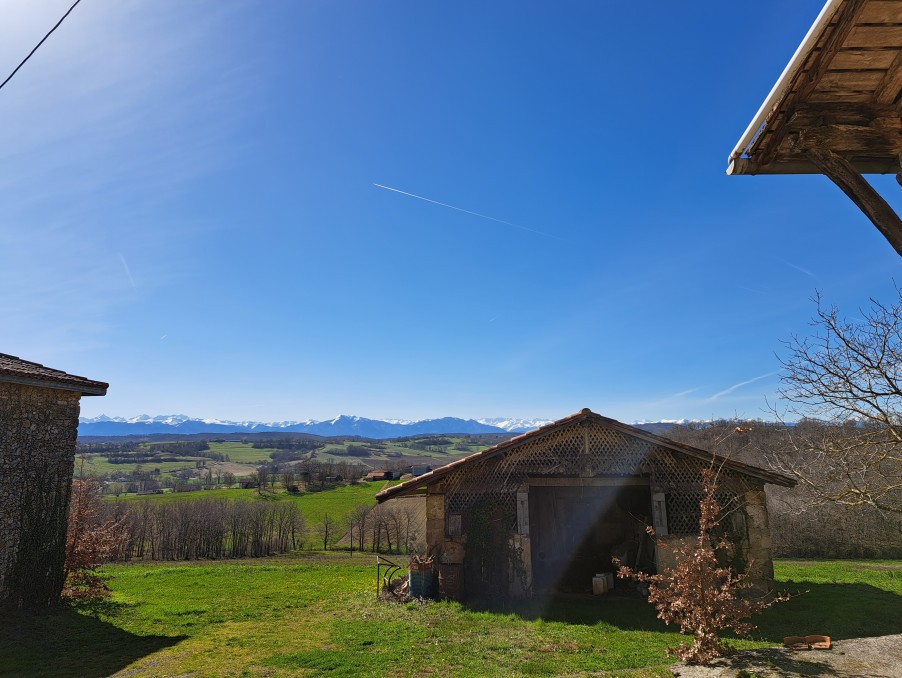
[
  {"x": 90, "y": 541},
  {"x": 699, "y": 593}
]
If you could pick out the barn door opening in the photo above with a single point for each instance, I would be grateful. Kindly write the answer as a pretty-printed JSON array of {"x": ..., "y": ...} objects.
[{"x": 575, "y": 532}]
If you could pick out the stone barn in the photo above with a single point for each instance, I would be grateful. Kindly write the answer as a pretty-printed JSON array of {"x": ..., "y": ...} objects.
[
  {"x": 548, "y": 510},
  {"x": 38, "y": 428}
]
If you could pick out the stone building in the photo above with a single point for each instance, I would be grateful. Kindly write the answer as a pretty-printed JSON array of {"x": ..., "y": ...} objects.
[
  {"x": 548, "y": 510},
  {"x": 38, "y": 428}
]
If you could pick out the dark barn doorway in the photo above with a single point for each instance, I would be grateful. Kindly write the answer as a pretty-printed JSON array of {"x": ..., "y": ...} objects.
[{"x": 576, "y": 530}]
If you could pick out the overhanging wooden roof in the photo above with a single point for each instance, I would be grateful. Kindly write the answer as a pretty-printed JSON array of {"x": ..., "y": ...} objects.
[
  {"x": 836, "y": 108},
  {"x": 584, "y": 415},
  {"x": 841, "y": 89}
]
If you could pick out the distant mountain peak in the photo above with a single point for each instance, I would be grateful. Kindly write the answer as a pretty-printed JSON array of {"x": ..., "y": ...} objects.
[{"x": 342, "y": 425}]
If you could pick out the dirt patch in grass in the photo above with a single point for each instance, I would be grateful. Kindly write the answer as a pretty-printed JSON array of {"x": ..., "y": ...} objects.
[{"x": 879, "y": 657}]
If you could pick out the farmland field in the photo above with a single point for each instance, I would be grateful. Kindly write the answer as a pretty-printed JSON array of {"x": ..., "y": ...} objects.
[
  {"x": 241, "y": 453},
  {"x": 336, "y": 502},
  {"x": 317, "y": 615},
  {"x": 129, "y": 466}
]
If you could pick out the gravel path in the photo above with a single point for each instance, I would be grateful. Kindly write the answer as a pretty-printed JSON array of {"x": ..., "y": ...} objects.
[{"x": 879, "y": 657}]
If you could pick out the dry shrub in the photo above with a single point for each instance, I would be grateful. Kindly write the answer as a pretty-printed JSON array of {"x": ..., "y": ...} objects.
[
  {"x": 90, "y": 542},
  {"x": 700, "y": 595}
]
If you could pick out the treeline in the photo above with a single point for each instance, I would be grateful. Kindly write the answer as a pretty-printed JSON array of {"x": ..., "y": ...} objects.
[
  {"x": 800, "y": 526},
  {"x": 308, "y": 474},
  {"x": 286, "y": 444},
  {"x": 207, "y": 529},
  {"x": 395, "y": 527},
  {"x": 104, "y": 449},
  {"x": 210, "y": 529},
  {"x": 151, "y": 453}
]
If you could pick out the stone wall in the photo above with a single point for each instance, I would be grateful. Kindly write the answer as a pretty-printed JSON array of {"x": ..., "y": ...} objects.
[
  {"x": 751, "y": 542},
  {"x": 760, "y": 552},
  {"x": 38, "y": 430}
]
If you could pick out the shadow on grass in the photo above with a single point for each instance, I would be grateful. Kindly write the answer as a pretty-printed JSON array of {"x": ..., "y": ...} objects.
[
  {"x": 62, "y": 643},
  {"x": 625, "y": 610},
  {"x": 840, "y": 611}
]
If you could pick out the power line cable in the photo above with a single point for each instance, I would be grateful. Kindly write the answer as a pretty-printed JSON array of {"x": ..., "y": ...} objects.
[{"x": 16, "y": 70}]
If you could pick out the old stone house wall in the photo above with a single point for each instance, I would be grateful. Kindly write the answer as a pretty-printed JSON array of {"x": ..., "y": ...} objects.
[{"x": 38, "y": 431}]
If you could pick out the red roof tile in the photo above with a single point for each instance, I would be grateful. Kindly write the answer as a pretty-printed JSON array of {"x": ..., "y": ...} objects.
[{"x": 17, "y": 371}]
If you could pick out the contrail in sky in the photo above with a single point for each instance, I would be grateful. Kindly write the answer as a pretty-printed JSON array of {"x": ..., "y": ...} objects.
[
  {"x": 728, "y": 391},
  {"x": 801, "y": 270},
  {"x": 475, "y": 214},
  {"x": 128, "y": 271}
]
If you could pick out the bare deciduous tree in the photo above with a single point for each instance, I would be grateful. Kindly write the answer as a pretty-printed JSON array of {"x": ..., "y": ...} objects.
[
  {"x": 849, "y": 374},
  {"x": 261, "y": 477},
  {"x": 357, "y": 521},
  {"x": 327, "y": 528},
  {"x": 287, "y": 477}
]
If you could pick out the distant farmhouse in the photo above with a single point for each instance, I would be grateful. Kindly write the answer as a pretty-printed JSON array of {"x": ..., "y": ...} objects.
[
  {"x": 382, "y": 474},
  {"x": 38, "y": 428},
  {"x": 548, "y": 510}
]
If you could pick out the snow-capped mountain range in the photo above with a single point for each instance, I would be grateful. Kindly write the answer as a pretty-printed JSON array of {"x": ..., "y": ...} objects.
[{"x": 342, "y": 425}]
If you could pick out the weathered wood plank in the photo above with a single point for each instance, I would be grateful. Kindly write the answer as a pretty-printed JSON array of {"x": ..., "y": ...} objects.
[
  {"x": 799, "y": 164},
  {"x": 887, "y": 123},
  {"x": 850, "y": 81},
  {"x": 570, "y": 481},
  {"x": 874, "y": 36},
  {"x": 858, "y": 139},
  {"x": 888, "y": 90},
  {"x": 843, "y": 114},
  {"x": 842, "y": 97},
  {"x": 850, "y": 59},
  {"x": 807, "y": 80},
  {"x": 882, "y": 12}
]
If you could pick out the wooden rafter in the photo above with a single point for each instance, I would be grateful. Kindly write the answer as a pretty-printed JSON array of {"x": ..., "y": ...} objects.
[
  {"x": 841, "y": 173},
  {"x": 889, "y": 88},
  {"x": 848, "y": 15}
]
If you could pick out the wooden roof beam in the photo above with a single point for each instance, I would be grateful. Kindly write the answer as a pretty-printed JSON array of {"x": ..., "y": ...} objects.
[
  {"x": 889, "y": 88},
  {"x": 843, "y": 174},
  {"x": 846, "y": 17}
]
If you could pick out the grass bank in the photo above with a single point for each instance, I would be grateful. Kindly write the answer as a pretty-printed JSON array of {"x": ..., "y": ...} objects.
[{"x": 317, "y": 615}]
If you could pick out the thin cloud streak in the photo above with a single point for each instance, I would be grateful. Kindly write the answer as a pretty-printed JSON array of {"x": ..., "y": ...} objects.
[
  {"x": 728, "y": 391},
  {"x": 802, "y": 270},
  {"x": 475, "y": 214},
  {"x": 128, "y": 271}
]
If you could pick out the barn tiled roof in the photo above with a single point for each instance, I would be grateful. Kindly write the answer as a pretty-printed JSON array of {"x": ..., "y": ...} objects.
[
  {"x": 586, "y": 414},
  {"x": 17, "y": 371}
]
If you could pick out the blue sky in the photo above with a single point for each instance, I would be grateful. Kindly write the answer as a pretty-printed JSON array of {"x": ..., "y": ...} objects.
[{"x": 190, "y": 208}]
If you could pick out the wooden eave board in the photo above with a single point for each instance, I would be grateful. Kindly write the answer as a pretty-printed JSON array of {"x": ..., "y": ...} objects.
[{"x": 846, "y": 95}]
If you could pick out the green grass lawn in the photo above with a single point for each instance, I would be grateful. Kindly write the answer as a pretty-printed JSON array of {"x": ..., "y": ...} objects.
[
  {"x": 337, "y": 502},
  {"x": 317, "y": 615}
]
